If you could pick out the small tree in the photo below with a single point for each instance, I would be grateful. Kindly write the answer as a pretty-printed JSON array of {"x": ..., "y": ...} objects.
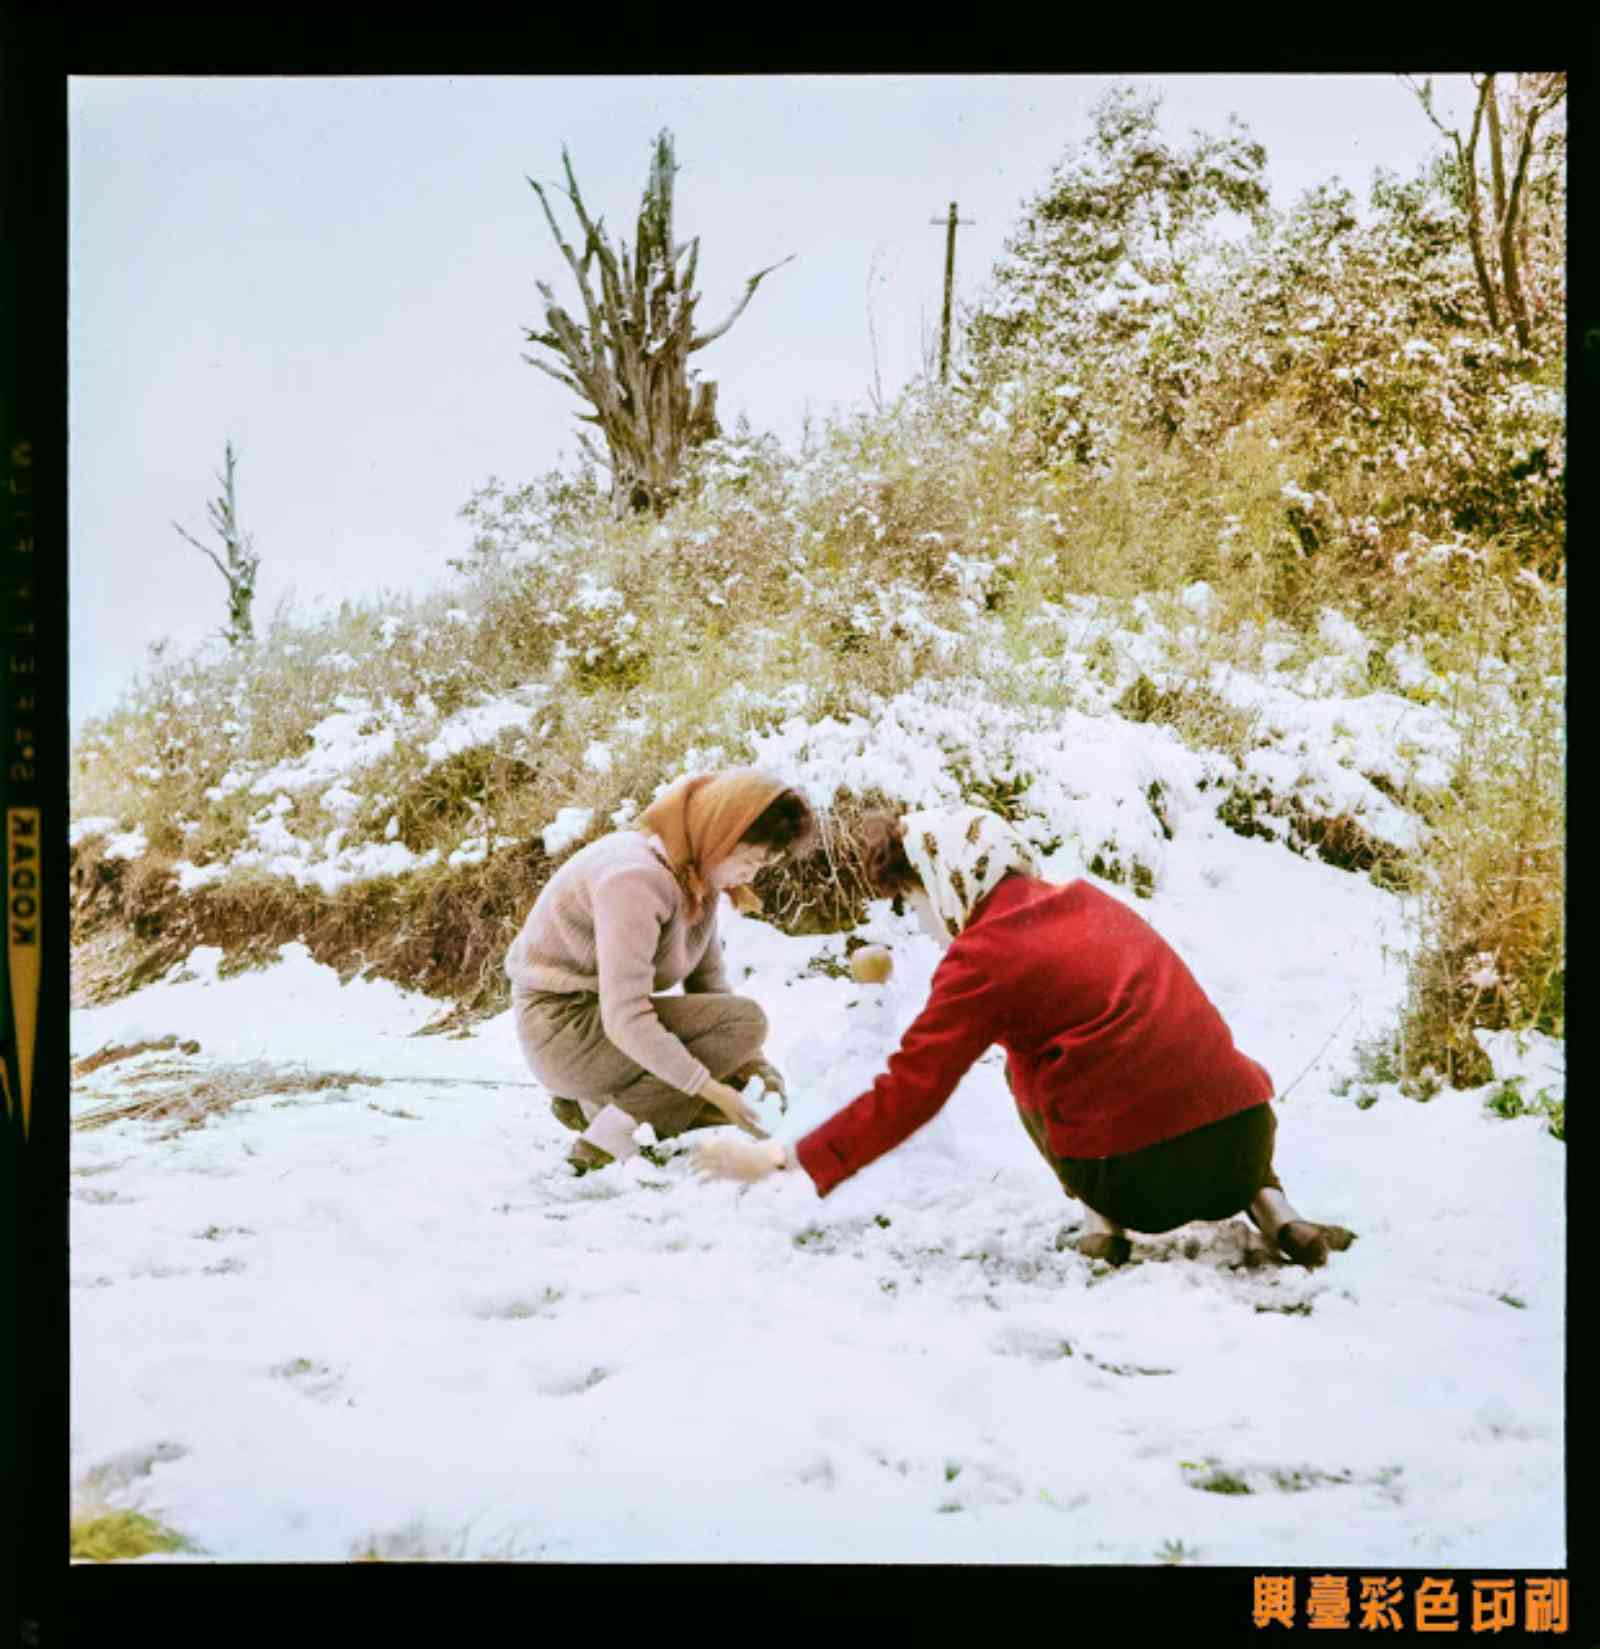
[
  {"x": 1102, "y": 287},
  {"x": 1501, "y": 259},
  {"x": 629, "y": 359},
  {"x": 239, "y": 569}
]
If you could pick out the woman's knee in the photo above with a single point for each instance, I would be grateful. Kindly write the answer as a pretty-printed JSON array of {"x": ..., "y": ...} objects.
[
  {"x": 737, "y": 1036},
  {"x": 754, "y": 1017},
  {"x": 746, "y": 1027}
]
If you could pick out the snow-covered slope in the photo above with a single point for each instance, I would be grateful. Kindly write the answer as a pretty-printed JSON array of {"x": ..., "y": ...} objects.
[{"x": 387, "y": 1319}]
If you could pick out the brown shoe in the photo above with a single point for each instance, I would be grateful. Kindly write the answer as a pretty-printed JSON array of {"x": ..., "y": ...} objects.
[
  {"x": 585, "y": 1158},
  {"x": 569, "y": 1113},
  {"x": 1304, "y": 1243},
  {"x": 1111, "y": 1246}
]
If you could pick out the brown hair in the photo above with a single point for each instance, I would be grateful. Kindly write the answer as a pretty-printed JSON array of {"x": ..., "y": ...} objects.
[
  {"x": 786, "y": 825},
  {"x": 884, "y": 865}
]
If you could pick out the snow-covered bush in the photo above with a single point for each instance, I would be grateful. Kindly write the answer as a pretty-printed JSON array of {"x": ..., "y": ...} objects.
[{"x": 1130, "y": 304}]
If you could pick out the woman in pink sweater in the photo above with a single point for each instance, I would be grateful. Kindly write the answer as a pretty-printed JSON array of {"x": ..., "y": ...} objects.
[
  {"x": 1124, "y": 1073},
  {"x": 621, "y": 923}
]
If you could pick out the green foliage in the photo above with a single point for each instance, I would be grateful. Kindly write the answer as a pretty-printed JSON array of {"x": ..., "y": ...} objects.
[
  {"x": 1237, "y": 810},
  {"x": 1422, "y": 1086},
  {"x": 1508, "y": 1100},
  {"x": 1002, "y": 794},
  {"x": 1213, "y": 1478},
  {"x": 1202, "y": 718},
  {"x": 1377, "y": 1061},
  {"x": 115, "y": 1536}
]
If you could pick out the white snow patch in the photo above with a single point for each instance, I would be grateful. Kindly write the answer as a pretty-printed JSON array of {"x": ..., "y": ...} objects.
[
  {"x": 127, "y": 844},
  {"x": 571, "y": 824},
  {"x": 92, "y": 826},
  {"x": 1529, "y": 1057}
]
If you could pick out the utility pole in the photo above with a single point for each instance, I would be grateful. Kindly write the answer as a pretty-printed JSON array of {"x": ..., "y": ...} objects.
[{"x": 949, "y": 283}]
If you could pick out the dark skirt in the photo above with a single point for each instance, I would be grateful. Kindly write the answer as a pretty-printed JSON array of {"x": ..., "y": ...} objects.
[{"x": 1209, "y": 1173}]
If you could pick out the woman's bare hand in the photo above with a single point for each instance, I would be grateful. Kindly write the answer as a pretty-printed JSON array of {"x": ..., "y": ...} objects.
[
  {"x": 770, "y": 1076},
  {"x": 734, "y": 1106}
]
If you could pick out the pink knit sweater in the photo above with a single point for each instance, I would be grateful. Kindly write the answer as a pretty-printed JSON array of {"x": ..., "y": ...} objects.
[{"x": 611, "y": 922}]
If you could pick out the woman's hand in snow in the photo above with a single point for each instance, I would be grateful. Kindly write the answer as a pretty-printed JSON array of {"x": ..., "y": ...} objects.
[
  {"x": 734, "y": 1107},
  {"x": 734, "y": 1159},
  {"x": 770, "y": 1076}
]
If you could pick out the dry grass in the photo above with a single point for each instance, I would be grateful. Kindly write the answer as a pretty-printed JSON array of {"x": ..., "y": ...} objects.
[
  {"x": 825, "y": 892},
  {"x": 112, "y": 1053},
  {"x": 189, "y": 1099},
  {"x": 1492, "y": 910}
]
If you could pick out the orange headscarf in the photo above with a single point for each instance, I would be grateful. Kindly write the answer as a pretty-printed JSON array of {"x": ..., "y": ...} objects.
[{"x": 700, "y": 820}]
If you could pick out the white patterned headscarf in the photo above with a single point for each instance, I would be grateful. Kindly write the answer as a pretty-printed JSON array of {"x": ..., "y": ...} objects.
[{"x": 961, "y": 853}]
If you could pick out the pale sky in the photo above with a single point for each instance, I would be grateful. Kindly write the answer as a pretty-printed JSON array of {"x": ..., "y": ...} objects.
[{"x": 334, "y": 273}]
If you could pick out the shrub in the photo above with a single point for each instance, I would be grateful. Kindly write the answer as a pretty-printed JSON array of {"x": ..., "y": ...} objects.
[
  {"x": 1491, "y": 906},
  {"x": 106, "y": 1536}
]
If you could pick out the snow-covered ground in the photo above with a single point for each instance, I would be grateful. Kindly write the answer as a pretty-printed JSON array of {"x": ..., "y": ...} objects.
[{"x": 388, "y": 1319}]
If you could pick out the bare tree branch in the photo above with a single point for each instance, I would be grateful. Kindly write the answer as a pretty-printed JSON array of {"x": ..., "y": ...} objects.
[
  {"x": 559, "y": 376},
  {"x": 749, "y": 292},
  {"x": 1424, "y": 95},
  {"x": 204, "y": 549}
]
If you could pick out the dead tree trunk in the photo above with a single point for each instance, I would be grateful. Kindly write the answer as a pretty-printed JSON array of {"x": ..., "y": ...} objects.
[
  {"x": 629, "y": 356},
  {"x": 242, "y": 561}
]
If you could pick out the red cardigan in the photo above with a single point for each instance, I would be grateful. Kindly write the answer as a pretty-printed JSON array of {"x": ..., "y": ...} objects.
[{"x": 1111, "y": 1044}]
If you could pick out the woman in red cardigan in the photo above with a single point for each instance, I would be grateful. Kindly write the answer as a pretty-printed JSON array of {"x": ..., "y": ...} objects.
[{"x": 1123, "y": 1071}]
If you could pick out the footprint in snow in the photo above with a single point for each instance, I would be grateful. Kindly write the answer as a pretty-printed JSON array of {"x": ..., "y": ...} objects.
[
  {"x": 309, "y": 1376},
  {"x": 519, "y": 1307},
  {"x": 572, "y": 1385}
]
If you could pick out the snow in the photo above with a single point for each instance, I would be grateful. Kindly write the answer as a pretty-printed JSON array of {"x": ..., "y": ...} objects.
[
  {"x": 120, "y": 844},
  {"x": 570, "y": 825},
  {"x": 389, "y": 1318},
  {"x": 89, "y": 826},
  {"x": 482, "y": 723},
  {"x": 1529, "y": 1057},
  {"x": 348, "y": 739}
]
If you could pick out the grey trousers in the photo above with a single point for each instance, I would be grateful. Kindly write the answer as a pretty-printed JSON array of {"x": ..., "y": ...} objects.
[{"x": 567, "y": 1049}]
